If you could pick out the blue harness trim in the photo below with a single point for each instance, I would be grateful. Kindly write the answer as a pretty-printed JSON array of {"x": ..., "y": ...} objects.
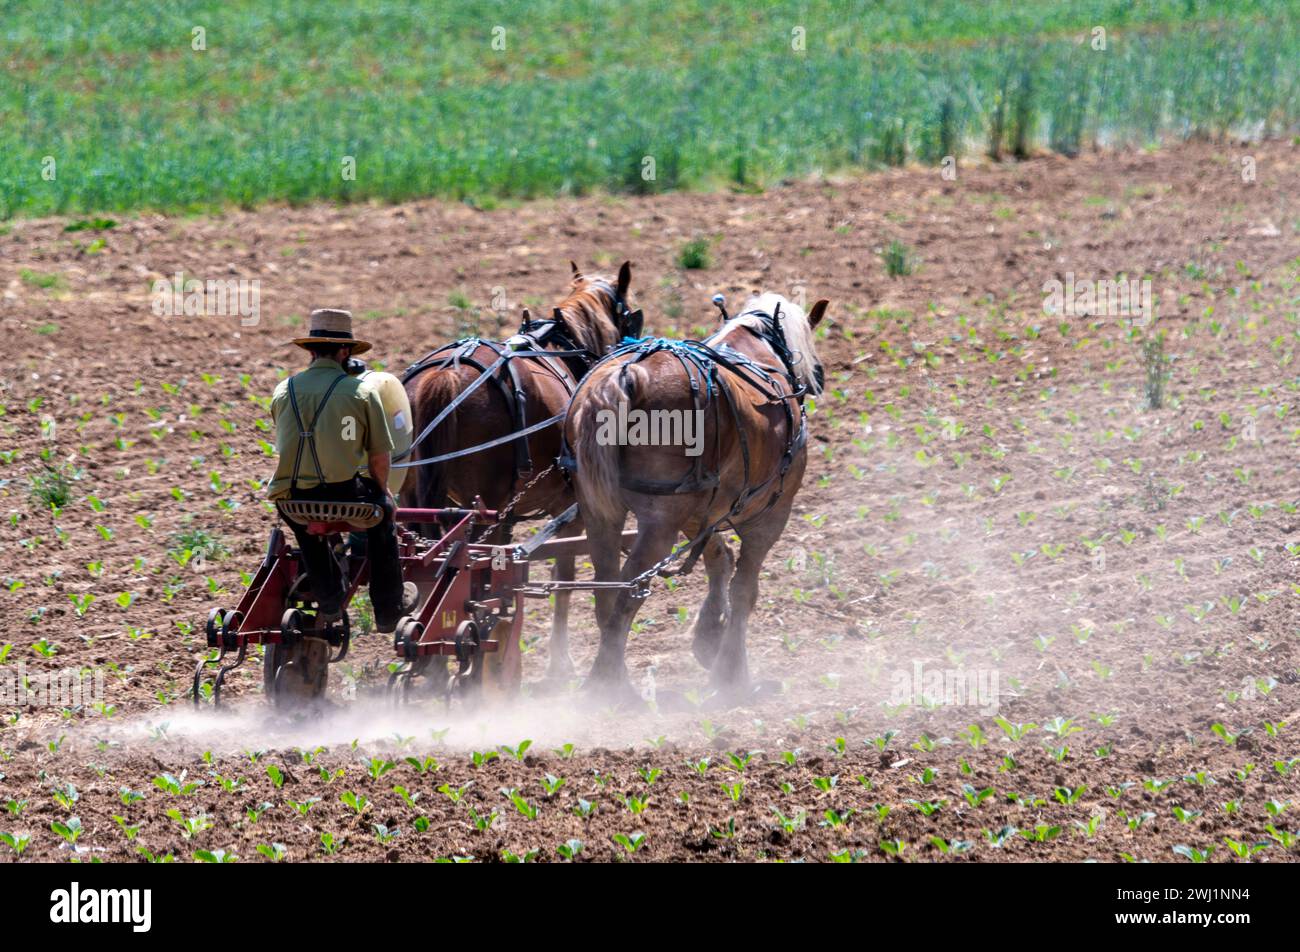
[{"x": 700, "y": 360}]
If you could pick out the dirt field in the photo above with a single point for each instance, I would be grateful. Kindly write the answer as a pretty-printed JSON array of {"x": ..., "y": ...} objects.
[{"x": 987, "y": 494}]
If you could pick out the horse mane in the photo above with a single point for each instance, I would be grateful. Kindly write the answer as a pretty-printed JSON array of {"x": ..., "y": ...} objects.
[
  {"x": 587, "y": 313},
  {"x": 794, "y": 323}
]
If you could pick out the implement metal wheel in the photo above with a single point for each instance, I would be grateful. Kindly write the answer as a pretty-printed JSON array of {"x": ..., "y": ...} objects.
[
  {"x": 466, "y": 682},
  {"x": 403, "y": 688},
  {"x": 431, "y": 670},
  {"x": 295, "y": 671},
  {"x": 485, "y": 676},
  {"x": 501, "y": 670}
]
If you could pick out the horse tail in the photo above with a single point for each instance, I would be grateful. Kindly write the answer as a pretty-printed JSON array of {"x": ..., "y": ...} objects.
[
  {"x": 434, "y": 390},
  {"x": 595, "y": 415}
]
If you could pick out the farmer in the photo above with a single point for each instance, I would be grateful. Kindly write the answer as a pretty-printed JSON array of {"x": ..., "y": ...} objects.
[{"x": 334, "y": 444}]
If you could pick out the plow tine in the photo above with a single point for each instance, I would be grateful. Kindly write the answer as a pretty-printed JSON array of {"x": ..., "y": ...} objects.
[
  {"x": 198, "y": 673},
  {"x": 216, "y": 620},
  {"x": 399, "y": 685},
  {"x": 220, "y": 679},
  {"x": 198, "y": 678}
]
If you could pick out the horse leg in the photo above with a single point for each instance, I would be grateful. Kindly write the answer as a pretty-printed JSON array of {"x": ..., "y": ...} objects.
[
  {"x": 560, "y": 666},
  {"x": 609, "y": 670},
  {"x": 603, "y": 546},
  {"x": 712, "y": 618},
  {"x": 730, "y": 670}
]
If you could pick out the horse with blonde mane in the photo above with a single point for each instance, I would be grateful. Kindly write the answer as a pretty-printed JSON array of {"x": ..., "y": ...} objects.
[{"x": 737, "y": 466}]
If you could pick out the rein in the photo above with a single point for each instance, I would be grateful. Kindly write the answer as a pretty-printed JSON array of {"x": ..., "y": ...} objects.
[
  {"x": 509, "y": 437},
  {"x": 535, "y": 333},
  {"x": 504, "y": 356}
]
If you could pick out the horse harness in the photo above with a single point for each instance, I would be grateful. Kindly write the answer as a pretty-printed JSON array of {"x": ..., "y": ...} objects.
[
  {"x": 568, "y": 361},
  {"x": 700, "y": 361},
  {"x": 530, "y": 342}
]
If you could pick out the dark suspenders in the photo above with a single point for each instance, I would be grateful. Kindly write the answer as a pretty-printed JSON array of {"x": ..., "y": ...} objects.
[{"x": 308, "y": 435}]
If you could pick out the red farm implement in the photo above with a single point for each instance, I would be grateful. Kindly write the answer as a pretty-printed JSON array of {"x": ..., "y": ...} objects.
[{"x": 470, "y": 611}]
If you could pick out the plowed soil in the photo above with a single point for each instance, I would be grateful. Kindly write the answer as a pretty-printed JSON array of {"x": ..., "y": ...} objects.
[{"x": 988, "y": 494}]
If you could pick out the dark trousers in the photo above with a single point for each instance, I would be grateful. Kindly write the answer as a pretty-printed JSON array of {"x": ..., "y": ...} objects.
[{"x": 380, "y": 545}]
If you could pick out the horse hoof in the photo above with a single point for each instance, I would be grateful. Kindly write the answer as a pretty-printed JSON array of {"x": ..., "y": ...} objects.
[
  {"x": 560, "y": 673},
  {"x": 742, "y": 695},
  {"x": 672, "y": 702},
  {"x": 618, "y": 694},
  {"x": 551, "y": 686}
]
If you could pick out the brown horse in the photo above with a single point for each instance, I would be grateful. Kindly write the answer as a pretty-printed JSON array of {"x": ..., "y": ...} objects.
[
  {"x": 739, "y": 464},
  {"x": 521, "y": 391}
]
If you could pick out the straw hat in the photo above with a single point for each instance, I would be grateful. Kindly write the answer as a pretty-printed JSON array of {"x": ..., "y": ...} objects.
[{"x": 332, "y": 326}]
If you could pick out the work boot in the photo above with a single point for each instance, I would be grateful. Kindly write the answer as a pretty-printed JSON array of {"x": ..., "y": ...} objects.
[
  {"x": 329, "y": 612},
  {"x": 410, "y": 597}
]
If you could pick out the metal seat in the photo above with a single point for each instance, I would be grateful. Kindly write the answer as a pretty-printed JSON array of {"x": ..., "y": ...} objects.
[{"x": 326, "y": 515}]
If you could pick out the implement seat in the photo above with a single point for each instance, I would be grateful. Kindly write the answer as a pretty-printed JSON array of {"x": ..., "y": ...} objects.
[{"x": 328, "y": 518}]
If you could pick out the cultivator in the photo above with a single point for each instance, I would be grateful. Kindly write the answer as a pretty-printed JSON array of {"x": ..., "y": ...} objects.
[{"x": 470, "y": 612}]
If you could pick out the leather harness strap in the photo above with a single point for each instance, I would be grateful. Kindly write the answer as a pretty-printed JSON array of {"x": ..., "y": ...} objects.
[
  {"x": 700, "y": 361},
  {"x": 512, "y": 390},
  {"x": 308, "y": 434},
  {"x": 701, "y": 377}
]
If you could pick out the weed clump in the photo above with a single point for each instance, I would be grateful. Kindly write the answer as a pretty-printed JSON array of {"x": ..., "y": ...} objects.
[
  {"x": 694, "y": 255},
  {"x": 899, "y": 259}
]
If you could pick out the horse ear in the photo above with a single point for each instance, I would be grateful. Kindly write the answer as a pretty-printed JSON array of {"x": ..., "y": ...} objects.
[
  {"x": 576, "y": 273},
  {"x": 817, "y": 313},
  {"x": 557, "y": 314},
  {"x": 527, "y": 316},
  {"x": 624, "y": 279}
]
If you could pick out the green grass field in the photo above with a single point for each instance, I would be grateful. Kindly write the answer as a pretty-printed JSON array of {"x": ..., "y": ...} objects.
[{"x": 133, "y": 117}]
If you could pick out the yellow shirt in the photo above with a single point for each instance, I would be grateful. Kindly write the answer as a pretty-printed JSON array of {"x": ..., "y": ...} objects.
[
  {"x": 352, "y": 427},
  {"x": 401, "y": 425}
]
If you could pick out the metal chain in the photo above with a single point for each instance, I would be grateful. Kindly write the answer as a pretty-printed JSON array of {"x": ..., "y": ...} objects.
[
  {"x": 509, "y": 507},
  {"x": 639, "y": 585}
]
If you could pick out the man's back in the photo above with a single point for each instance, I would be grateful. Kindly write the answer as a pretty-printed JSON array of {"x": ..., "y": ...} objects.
[{"x": 352, "y": 426}]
